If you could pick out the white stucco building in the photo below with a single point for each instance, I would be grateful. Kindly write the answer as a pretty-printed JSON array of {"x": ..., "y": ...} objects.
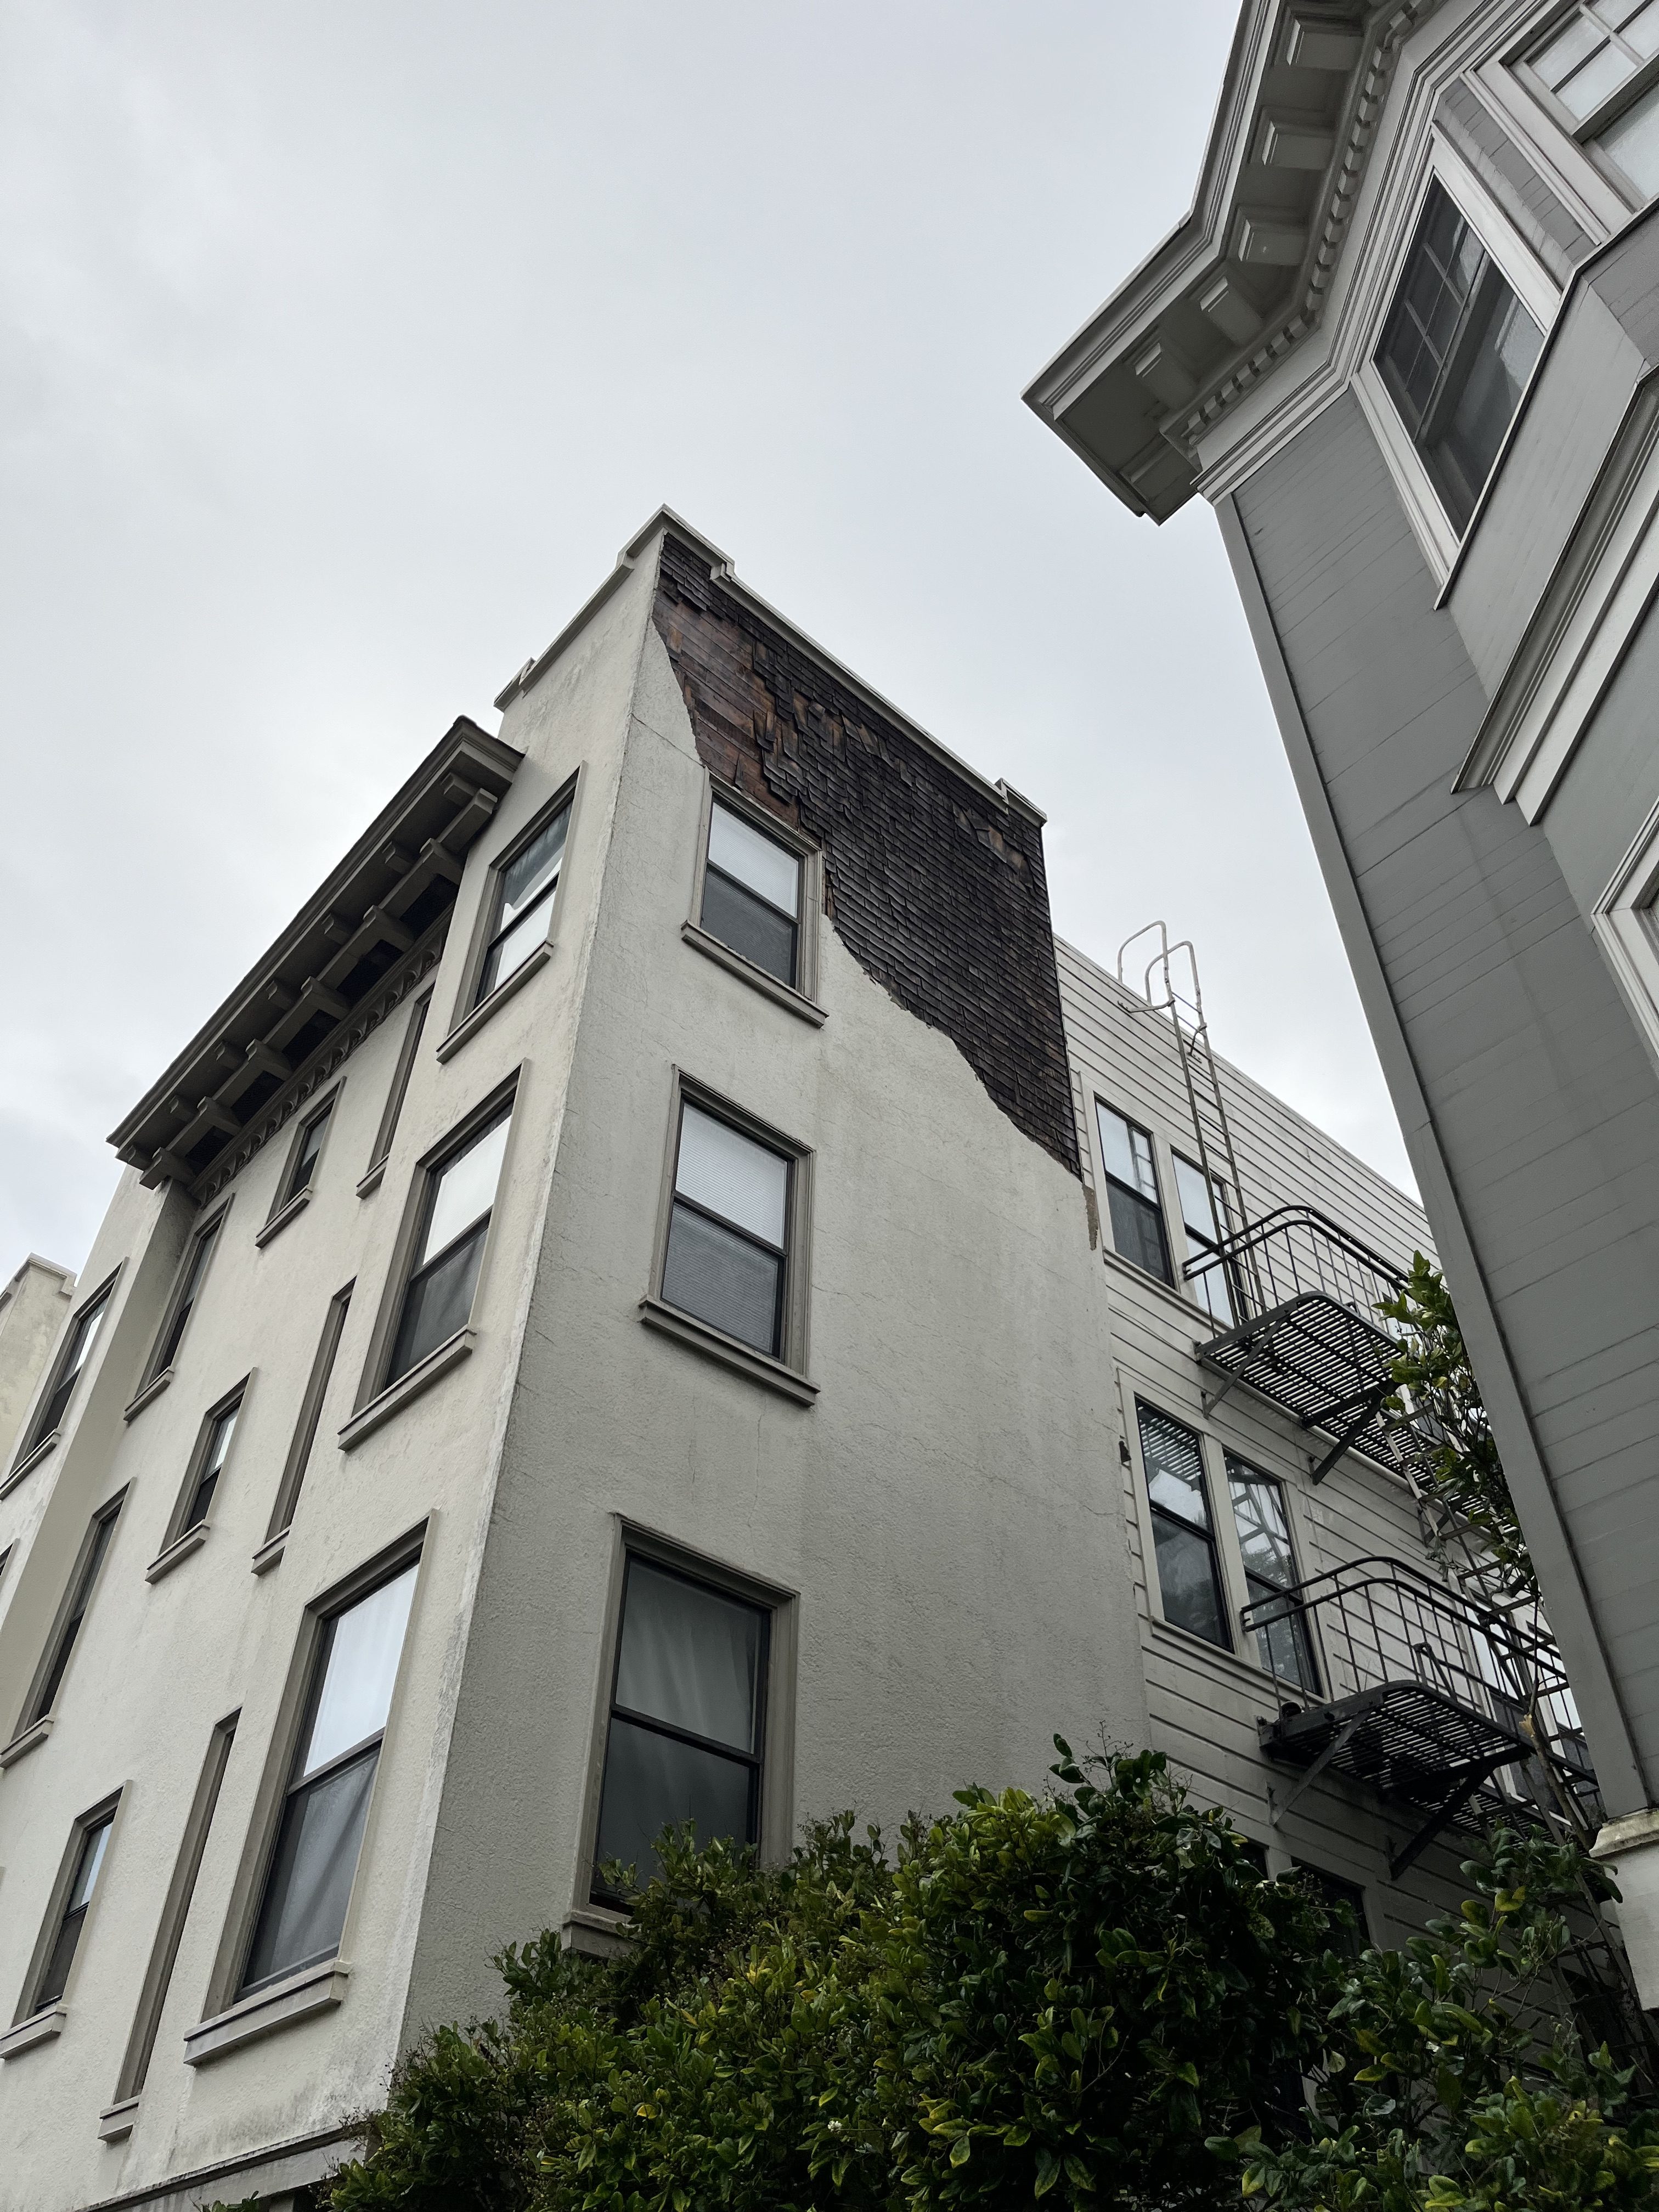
[{"x": 664, "y": 1292}]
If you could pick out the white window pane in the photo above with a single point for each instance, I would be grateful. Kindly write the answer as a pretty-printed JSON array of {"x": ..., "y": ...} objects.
[
  {"x": 1562, "y": 55},
  {"x": 223, "y": 1429},
  {"x": 1633, "y": 142},
  {"x": 363, "y": 1659},
  {"x": 1642, "y": 30},
  {"x": 1197, "y": 1200},
  {"x": 690, "y": 1657},
  {"x": 1127, "y": 1154},
  {"x": 466, "y": 1190},
  {"x": 1264, "y": 1536},
  {"x": 741, "y": 1181},
  {"x": 1602, "y": 76},
  {"x": 88, "y": 1336},
  {"x": 529, "y": 876},
  {"x": 92, "y": 1858},
  {"x": 768, "y": 870}
]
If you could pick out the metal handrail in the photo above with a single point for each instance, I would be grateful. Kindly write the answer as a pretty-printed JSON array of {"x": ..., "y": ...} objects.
[{"x": 1297, "y": 1252}]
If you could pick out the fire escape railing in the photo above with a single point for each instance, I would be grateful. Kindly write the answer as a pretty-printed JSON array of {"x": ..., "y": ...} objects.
[
  {"x": 1304, "y": 1294},
  {"x": 1409, "y": 1686}
]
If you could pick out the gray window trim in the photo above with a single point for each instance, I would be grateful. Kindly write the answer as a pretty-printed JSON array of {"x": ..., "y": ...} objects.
[
  {"x": 777, "y": 1810},
  {"x": 786, "y": 1374},
  {"x": 237, "y": 1396},
  {"x": 304, "y": 1439},
  {"x": 1107, "y": 1179},
  {"x": 32, "y": 1446},
  {"x": 108, "y": 1807},
  {"x": 414, "y": 1029},
  {"x": 802, "y": 998},
  {"x": 155, "y": 1377},
  {"x": 1149, "y": 1513},
  {"x": 470, "y": 1012},
  {"x": 247, "y": 1889},
  {"x": 376, "y": 1399},
  {"x": 286, "y": 1204},
  {"x": 28, "y": 1720}
]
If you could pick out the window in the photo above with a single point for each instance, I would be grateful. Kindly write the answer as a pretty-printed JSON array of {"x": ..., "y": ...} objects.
[
  {"x": 81, "y": 1585},
  {"x": 189, "y": 1288},
  {"x": 307, "y": 1884},
  {"x": 1264, "y": 1540},
  {"x": 752, "y": 895},
  {"x": 394, "y": 1103},
  {"x": 88, "y": 1860},
  {"x": 311, "y": 1413},
  {"x": 77, "y": 1350},
  {"x": 1598, "y": 70},
  {"x": 1456, "y": 351},
  {"x": 1188, "y": 1570},
  {"x": 1344, "y": 1901},
  {"x": 454, "y": 1217},
  {"x": 687, "y": 1716},
  {"x": 204, "y": 1478},
  {"x": 525, "y": 886},
  {"x": 306, "y": 1155},
  {"x": 727, "y": 1253},
  {"x": 1132, "y": 1199},
  {"x": 1203, "y": 1214}
]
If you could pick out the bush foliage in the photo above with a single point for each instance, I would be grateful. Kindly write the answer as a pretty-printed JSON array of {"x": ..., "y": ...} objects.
[{"x": 1092, "y": 1997}]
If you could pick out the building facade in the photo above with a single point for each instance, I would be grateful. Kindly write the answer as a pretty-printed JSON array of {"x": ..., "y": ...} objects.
[
  {"x": 664, "y": 1294},
  {"x": 1405, "y": 343}
]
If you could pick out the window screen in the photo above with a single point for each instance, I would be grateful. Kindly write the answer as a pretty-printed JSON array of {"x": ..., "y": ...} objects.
[{"x": 687, "y": 1718}]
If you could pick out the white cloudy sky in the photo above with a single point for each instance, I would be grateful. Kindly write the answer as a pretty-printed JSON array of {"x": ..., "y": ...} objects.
[{"x": 342, "y": 342}]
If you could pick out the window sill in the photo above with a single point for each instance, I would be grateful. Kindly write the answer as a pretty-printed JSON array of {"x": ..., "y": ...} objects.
[
  {"x": 1195, "y": 1316},
  {"x": 470, "y": 1024},
  {"x": 316, "y": 1989},
  {"x": 396, "y": 1395},
  {"x": 284, "y": 1215},
  {"x": 372, "y": 1181},
  {"x": 270, "y": 1553},
  {"x": 177, "y": 1553},
  {"x": 596, "y": 1932},
  {"x": 1244, "y": 1672},
  {"x": 28, "y": 2033},
  {"x": 115, "y": 2121},
  {"x": 44, "y": 1450},
  {"x": 151, "y": 1391},
  {"x": 713, "y": 1344},
  {"x": 36, "y": 1733},
  {"x": 782, "y": 994}
]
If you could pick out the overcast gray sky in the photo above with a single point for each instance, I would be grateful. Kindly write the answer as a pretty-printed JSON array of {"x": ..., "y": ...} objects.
[{"x": 342, "y": 343}]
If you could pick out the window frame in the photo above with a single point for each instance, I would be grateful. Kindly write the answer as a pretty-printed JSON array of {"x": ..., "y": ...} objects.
[
  {"x": 1532, "y": 285},
  {"x": 1583, "y": 136},
  {"x": 287, "y": 1201},
  {"x": 30, "y": 2008},
  {"x": 787, "y": 1371},
  {"x": 36, "y": 1435},
  {"x": 376, "y": 1397},
  {"x": 225, "y": 1992},
  {"x": 392, "y": 1113},
  {"x": 1210, "y": 1536},
  {"x": 303, "y": 1441},
  {"x": 776, "y": 1822},
  {"x": 170, "y": 1336},
  {"x": 801, "y": 997},
  {"x": 1306, "y": 1630},
  {"x": 38, "y": 1708},
  {"x": 472, "y": 1007},
  {"x": 174, "y": 1546},
  {"x": 1108, "y": 1181},
  {"x": 1194, "y": 1242}
]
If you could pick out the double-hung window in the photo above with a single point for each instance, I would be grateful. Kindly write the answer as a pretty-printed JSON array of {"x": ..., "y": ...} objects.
[
  {"x": 319, "y": 1832},
  {"x": 77, "y": 1350},
  {"x": 523, "y": 905},
  {"x": 209, "y": 1465},
  {"x": 89, "y": 1847},
  {"x": 1598, "y": 70},
  {"x": 1203, "y": 1216},
  {"x": 727, "y": 1257},
  {"x": 93, "y": 1547},
  {"x": 1183, "y": 1535},
  {"x": 1134, "y": 1211},
  {"x": 687, "y": 1724},
  {"x": 184, "y": 1297},
  {"x": 1456, "y": 351},
  {"x": 1282, "y": 1641},
  {"x": 752, "y": 895},
  {"x": 303, "y": 1171},
  {"x": 450, "y": 1227}
]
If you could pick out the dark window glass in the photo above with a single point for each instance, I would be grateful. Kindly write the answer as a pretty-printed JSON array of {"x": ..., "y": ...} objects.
[
  {"x": 81, "y": 1598},
  {"x": 207, "y": 1481},
  {"x": 1283, "y": 1645},
  {"x": 1188, "y": 1570},
  {"x": 78, "y": 1349},
  {"x": 314, "y": 1859},
  {"x": 1455, "y": 351},
  {"x": 90, "y": 1860},
  {"x": 1203, "y": 1212},
  {"x": 438, "y": 1298},
  {"x": 751, "y": 894},
  {"x": 201, "y": 1252},
  {"x": 394, "y": 1104},
  {"x": 523, "y": 902},
  {"x": 1131, "y": 1201},
  {"x": 1346, "y": 1903},
  {"x": 311, "y": 1413},
  {"x": 687, "y": 1718},
  {"x": 311, "y": 1144},
  {"x": 727, "y": 1232}
]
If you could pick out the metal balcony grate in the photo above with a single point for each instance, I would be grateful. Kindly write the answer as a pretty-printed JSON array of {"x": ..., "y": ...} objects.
[
  {"x": 1309, "y": 1335},
  {"x": 1432, "y": 1698}
]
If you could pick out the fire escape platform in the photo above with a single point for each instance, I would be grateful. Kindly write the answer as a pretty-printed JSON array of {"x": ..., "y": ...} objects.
[{"x": 1315, "y": 1358}]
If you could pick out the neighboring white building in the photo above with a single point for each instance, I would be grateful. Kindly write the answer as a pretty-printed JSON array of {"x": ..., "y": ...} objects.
[{"x": 660, "y": 1294}]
